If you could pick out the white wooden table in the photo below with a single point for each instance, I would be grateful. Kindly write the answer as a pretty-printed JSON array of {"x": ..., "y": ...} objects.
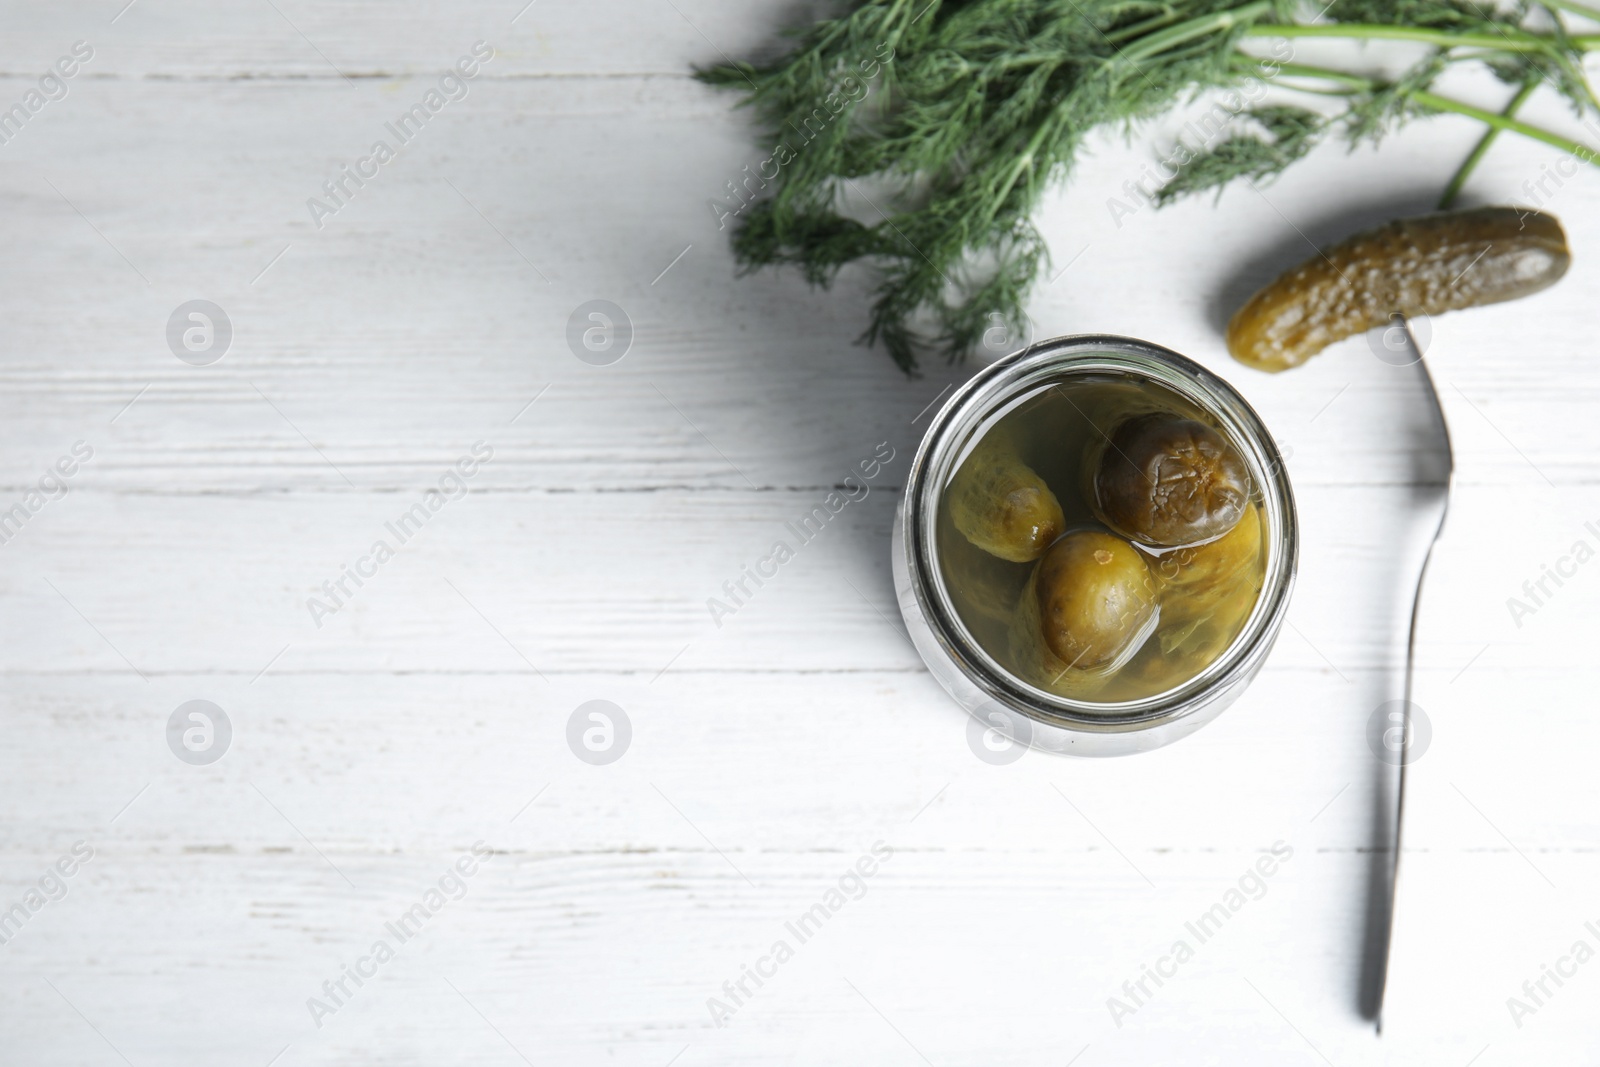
[{"x": 768, "y": 754}]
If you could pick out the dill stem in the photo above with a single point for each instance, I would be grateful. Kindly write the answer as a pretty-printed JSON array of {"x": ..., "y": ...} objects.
[
  {"x": 1024, "y": 162},
  {"x": 1151, "y": 44},
  {"x": 1575, "y": 8},
  {"x": 1436, "y": 102},
  {"x": 1506, "y": 122},
  {"x": 1507, "y": 41},
  {"x": 1145, "y": 46},
  {"x": 1470, "y": 164},
  {"x": 1159, "y": 41},
  {"x": 1304, "y": 70},
  {"x": 1138, "y": 29}
]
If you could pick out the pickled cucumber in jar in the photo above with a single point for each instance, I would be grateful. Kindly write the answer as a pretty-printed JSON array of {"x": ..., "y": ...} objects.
[
  {"x": 1095, "y": 594},
  {"x": 1209, "y": 591},
  {"x": 1104, "y": 540},
  {"x": 999, "y": 503},
  {"x": 1165, "y": 480},
  {"x": 1090, "y": 602},
  {"x": 1204, "y": 570}
]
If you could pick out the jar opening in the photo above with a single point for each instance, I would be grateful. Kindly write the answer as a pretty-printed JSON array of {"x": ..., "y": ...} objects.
[{"x": 998, "y": 393}]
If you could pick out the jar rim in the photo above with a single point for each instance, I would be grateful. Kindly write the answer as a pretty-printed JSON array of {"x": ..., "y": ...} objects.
[{"x": 1002, "y": 383}]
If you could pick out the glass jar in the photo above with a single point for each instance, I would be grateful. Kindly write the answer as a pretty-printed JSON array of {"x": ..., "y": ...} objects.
[{"x": 999, "y": 699}]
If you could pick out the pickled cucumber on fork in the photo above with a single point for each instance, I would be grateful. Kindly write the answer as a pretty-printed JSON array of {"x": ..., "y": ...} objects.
[
  {"x": 1001, "y": 505},
  {"x": 1418, "y": 266}
]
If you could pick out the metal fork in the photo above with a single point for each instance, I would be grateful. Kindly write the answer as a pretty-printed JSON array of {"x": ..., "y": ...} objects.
[{"x": 1433, "y": 487}]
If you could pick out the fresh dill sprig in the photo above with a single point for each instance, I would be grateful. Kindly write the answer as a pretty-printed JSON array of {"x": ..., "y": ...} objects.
[
  {"x": 918, "y": 136},
  {"x": 1290, "y": 134}
]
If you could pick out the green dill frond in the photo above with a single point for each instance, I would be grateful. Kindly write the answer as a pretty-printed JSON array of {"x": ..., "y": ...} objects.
[
  {"x": 1290, "y": 134},
  {"x": 959, "y": 115},
  {"x": 1431, "y": 14},
  {"x": 1373, "y": 114}
]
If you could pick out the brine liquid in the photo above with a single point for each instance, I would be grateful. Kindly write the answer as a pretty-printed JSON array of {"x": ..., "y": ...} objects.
[{"x": 1059, "y": 431}]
